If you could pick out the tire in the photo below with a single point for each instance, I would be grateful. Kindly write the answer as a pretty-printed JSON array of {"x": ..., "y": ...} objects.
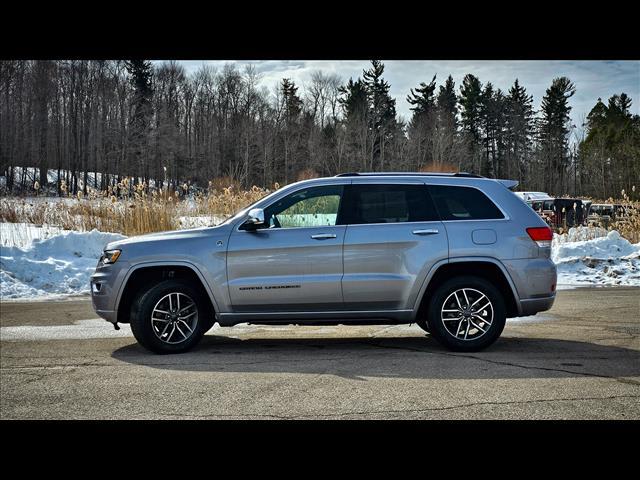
[
  {"x": 161, "y": 297},
  {"x": 423, "y": 323},
  {"x": 480, "y": 327},
  {"x": 209, "y": 322}
]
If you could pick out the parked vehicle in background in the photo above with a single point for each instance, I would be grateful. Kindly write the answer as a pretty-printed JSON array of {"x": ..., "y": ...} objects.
[
  {"x": 604, "y": 213},
  {"x": 529, "y": 197},
  {"x": 557, "y": 212},
  {"x": 455, "y": 253}
]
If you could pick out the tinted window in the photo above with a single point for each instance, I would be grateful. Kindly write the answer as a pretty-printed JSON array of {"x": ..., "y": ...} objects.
[
  {"x": 388, "y": 204},
  {"x": 311, "y": 207},
  {"x": 463, "y": 203}
]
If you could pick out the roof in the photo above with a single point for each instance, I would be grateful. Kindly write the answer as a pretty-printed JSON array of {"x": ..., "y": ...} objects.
[{"x": 408, "y": 174}]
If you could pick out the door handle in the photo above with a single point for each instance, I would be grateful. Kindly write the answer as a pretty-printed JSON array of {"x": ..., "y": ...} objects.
[
  {"x": 323, "y": 236},
  {"x": 426, "y": 231}
]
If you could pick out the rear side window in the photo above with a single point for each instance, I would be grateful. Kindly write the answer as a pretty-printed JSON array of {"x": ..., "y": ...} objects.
[
  {"x": 388, "y": 204},
  {"x": 463, "y": 203}
]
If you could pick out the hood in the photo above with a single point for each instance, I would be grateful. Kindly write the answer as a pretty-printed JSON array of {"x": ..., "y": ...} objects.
[{"x": 172, "y": 235}]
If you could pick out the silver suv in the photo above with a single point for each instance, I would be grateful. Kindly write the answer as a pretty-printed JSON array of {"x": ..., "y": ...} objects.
[{"x": 455, "y": 253}]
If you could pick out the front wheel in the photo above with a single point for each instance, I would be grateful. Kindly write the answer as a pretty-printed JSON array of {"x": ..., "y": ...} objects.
[
  {"x": 169, "y": 317},
  {"x": 467, "y": 314}
]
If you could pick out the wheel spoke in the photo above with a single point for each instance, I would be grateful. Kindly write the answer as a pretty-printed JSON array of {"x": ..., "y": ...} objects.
[
  {"x": 466, "y": 299},
  {"x": 172, "y": 331},
  {"x": 165, "y": 329},
  {"x": 187, "y": 325},
  {"x": 478, "y": 326},
  {"x": 457, "y": 300},
  {"x": 485, "y": 306},
  {"x": 481, "y": 297},
  {"x": 467, "y": 332},
  {"x": 187, "y": 316},
  {"x": 451, "y": 319},
  {"x": 482, "y": 319},
  {"x": 181, "y": 332},
  {"x": 455, "y": 310},
  {"x": 180, "y": 310},
  {"x": 459, "y": 325}
]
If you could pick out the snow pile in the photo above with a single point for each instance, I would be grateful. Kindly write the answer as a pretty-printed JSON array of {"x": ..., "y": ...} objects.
[
  {"x": 588, "y": 256},
  {"x": 60, "y": 264}
]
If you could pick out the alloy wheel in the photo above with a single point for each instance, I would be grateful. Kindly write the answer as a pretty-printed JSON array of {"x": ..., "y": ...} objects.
[
  {"x": 174, "y": 318},
  {"x": 467, "y": 314}
]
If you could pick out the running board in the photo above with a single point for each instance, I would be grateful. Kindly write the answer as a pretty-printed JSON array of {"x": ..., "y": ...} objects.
[{"x": 377, "y": 317}]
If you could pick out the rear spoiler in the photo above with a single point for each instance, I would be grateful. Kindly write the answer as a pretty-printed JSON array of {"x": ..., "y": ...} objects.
[{"x": 510, "y": 184}]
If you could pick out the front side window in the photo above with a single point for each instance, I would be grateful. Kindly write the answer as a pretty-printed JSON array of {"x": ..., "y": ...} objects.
[
  {"x": 391, "y": 203},
  {"x": 311, "y": 207},
  {"x": 463, "y": 203}
]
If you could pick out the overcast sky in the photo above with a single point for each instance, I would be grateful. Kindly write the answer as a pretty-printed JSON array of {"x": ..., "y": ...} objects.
[{"x": 593, "y": 79}]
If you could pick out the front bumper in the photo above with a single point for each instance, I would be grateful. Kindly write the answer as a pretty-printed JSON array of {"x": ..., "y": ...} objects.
[{"x": 105, "y": 286}]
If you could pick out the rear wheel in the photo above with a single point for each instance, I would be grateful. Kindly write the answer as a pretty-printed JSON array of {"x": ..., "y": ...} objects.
[
  {"x": 170, "y": 317},
  {"x": 466, "y": 314}
]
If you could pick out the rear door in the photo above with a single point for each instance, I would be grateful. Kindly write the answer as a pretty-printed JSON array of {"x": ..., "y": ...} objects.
[{"x": 393, "y": 238}]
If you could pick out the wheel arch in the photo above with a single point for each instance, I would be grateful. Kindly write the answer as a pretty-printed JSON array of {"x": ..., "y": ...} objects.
[
  {"x": 487, "y": 268},
  {"x": 144, "y": 274}
]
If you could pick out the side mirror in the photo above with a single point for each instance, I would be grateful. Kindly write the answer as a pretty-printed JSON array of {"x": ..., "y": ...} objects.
[{"x": 256, "y": 218}]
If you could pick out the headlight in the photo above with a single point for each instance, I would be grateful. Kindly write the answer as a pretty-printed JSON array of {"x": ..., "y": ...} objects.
[{"x": 110, "y": 256}]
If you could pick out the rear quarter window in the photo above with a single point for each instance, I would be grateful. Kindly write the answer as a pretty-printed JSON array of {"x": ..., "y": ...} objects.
[{"x": 463, "y": 203}]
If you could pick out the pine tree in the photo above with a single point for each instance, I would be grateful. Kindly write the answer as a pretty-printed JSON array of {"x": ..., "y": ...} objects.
[
  {"x": 609, "y": 154},
  {"x": 422, "y": 124},
  {"x": 423, "y": 98},
  {"x": 518, "y": 131},
  {"x": 355, "y": 107},
  {"x": 554, "y": 132},
  {"x": 140, "y": 76},
  {"x": 292, "y": 110},
  {"x": 471, "y": 120},
  {"x": 382, "y": 112},
  {"x": 447, "y": 103},
  {"x": 447, "y": 154}
]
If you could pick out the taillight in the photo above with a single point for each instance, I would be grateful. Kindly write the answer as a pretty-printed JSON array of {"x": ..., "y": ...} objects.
[{"x": 541, "y": 235}]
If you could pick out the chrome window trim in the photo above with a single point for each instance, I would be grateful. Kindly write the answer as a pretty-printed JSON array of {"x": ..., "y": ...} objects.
[{"x": 382, "y": 181}]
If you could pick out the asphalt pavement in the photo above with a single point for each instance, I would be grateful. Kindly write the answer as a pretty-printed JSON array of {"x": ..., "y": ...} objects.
[{"x": 580, "y": 360}]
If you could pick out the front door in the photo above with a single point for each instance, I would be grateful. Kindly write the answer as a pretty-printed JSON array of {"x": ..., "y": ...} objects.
[{"x": 294, "y": 263}]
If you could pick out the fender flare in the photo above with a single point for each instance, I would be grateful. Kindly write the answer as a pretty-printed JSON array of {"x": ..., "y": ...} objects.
[
  {"x": 441, "y": 263},
  {"x": 177, "y": 263}
]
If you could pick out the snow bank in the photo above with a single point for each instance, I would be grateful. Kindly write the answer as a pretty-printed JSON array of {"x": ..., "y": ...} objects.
[
  {"x": 593, "y": 256},
  {"x": 49, "y": 267}
]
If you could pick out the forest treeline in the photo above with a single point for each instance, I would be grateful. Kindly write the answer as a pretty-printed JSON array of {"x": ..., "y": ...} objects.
[{"x": 157, "y": 123}]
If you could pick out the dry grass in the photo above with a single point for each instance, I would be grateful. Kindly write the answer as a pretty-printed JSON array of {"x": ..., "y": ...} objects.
[
  {"x": 129, "y": 210},
  {"x": 138, "y": 210}
]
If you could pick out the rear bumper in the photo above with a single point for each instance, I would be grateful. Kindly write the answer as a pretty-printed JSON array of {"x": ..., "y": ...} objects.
[{"x": 531, "y": 306}]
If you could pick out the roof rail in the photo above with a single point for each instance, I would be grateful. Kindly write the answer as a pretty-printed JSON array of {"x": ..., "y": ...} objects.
[{"x": 412, "y": 174}]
